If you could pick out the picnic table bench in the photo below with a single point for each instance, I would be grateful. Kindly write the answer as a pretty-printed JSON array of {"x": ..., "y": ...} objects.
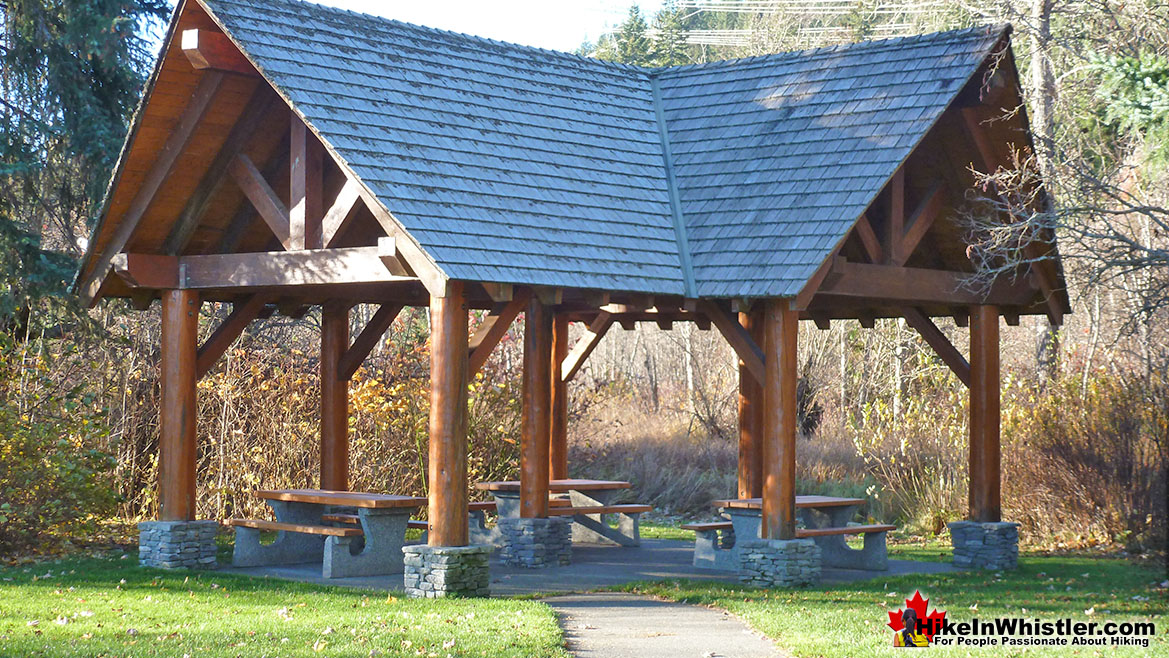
[
  {"x": 826, "y": 520},
  {"x": 589, "y": 503},
  {"x": 374, "y": 548}
]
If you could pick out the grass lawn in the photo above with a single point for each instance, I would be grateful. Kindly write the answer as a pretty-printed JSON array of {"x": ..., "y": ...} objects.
[
  {"x": 849, "y": 619},
  {"x": 111, "y": 607}
]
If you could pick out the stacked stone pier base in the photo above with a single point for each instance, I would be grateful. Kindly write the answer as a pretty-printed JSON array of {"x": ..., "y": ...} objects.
[
  {"x": 177, "y": 544},
  {"x": 979, "y": 545},
  {"x": 435, "y": 572},
  {"x": 779, "y": 562},
  {"x": 535, "y": 543}
]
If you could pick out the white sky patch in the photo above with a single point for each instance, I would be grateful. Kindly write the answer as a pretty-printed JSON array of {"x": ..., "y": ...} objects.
[{"x": 555, "y": 24}]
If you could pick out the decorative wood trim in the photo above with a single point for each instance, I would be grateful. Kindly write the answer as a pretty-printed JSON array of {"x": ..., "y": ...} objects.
[
  {"x": 584, "y": 347},
  {"x": 206, "y": 49},
  {"x": 225, "y": 334},
  {"x": 353, "y": 357},
  {"x": 492, "y": 330},
  {"x": 749, "y": 352},
  {"x": 159, "y": 171},
  {"x": 938, "y": 341}
]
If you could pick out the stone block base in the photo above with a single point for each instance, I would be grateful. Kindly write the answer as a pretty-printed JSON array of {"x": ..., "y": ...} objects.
[
  {"x": 985, "y": 545},
  {"x": 177, "y": 544},
  {"x": 441, "y": 571},
  {"x": 535, "y": 543},
  {"x": 779, "y": 562}
]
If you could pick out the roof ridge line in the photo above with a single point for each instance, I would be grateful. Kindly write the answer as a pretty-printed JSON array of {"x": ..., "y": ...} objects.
[{"x": 684, "y": 260}]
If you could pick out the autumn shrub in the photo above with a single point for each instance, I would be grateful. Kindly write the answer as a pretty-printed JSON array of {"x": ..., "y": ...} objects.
[{"x": 54, "y": 482}]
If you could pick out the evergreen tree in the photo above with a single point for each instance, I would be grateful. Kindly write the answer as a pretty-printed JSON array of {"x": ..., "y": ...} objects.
[
  {"x": 632, "y": 40},
  {"x": 669, "y": 42}
]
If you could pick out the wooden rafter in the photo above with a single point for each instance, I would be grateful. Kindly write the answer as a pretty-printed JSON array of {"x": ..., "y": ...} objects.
[
  {"x": 272, "y": 269},
  {"x": 920, "y": 221},
  {"x": 163, "y": 165},
  {"x": 305, "y": 187},
  {"x": 919, "y": 286},
  {"x": 492, "y": 330},
  {"x": 869, "y": 240},
  {"x": 340, "y": 212},
  {"x": 367, "y": 340},
  {"x": 206, "y": 49},
  {"x": 225, "y": 334},
  {"x": 245, "y": 215},
  {"x": 584, "y": 347},
  {"x": 749, "y": 352},
  {"x": 938, "y": 341},
  {"x": 257, "y": 110},
  {"x": 266, "y": 202},
  {"x": 426, "y": 269}
]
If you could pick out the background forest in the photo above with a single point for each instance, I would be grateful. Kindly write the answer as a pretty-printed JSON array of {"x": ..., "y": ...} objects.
[{"x": 1085, "y": 409}]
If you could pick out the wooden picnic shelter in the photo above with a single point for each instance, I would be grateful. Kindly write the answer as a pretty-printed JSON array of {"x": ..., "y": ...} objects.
[{"x": 287, "y": 155}]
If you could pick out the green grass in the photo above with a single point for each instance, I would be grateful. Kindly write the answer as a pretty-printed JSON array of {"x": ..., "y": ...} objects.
[
  {"x": 111, "y": 607},
  {"x": 849, "y": 619},
  {"x": 664, "y": 530}
]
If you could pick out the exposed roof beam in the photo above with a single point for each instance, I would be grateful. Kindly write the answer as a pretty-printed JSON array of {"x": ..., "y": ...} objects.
[
  {"x": 272, "y": 269},
  {"x": 272, "y": 210},
  {"x": 920, "y": 222},
  {"x": 225, "y": 334},
  {"x": 206, "y": 49},
  {"x": 306, "y": 184},
  {"x": 740, "y": 340},
  {"x": 163, "y": 164},
  {"x": 896, "y": 224},
  {"x": 257, "y": 111},
  {"x": 918, "y": 286},
  {"x": 489, "y": 332},
  {"x": 869, "y": 240},
  {"x": 353, "y": 357},
  {"x": 940, "y": 344},
  {"x": 585, "y": 346},
  {"x": 339, "y": 214}
]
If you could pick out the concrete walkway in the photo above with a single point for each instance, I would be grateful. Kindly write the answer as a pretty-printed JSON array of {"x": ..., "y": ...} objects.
[{"x": 631, "y": 626}]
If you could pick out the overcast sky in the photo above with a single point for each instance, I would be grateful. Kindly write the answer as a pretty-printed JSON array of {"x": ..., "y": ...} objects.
[{"x": 555, "y": 24}]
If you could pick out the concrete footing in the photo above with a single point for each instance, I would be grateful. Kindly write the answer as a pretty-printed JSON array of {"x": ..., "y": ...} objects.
[
  {"x": 177, "y": 544},
  {"x": 779, "y": 562},
  {"x": 535, "y": 543},
  {"x": 441, "y": 571},
  {"x": 991, "y": 545}
]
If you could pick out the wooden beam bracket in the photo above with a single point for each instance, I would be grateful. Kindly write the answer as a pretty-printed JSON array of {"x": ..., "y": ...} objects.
[{"x": 353, "y": 357}]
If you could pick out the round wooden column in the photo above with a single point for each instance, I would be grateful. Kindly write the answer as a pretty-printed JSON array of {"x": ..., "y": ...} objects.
[
  {"x": 780, "y": 336},
  {"x": 448, "y": 419},
  {"x": 750, "y": 416},
  {"x": 334, "y": 399},
  {"x": 176, "y": 413},
  {"x": 985, "y": 501},
  {"x": 558, "y": 442},
  {"x": 536, "y": 422}
]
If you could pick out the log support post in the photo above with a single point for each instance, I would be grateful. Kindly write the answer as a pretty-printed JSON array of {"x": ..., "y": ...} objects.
[
  {"x": 536, "y": 422},
  {"x": 780, "y": 337},
  {"x": 448, "y": 419},
  {"x": 984, "y": 414},
  {"x": 176, "y": 417},
  {"x": 750, "y": 416},
  {"x": 558, "y": 441},
  {"x": 334, "y": 398}
]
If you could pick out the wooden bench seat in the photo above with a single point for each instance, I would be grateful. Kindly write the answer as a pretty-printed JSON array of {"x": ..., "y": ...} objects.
[
  {"x": 847, "y": 530},
  {"x": 598, "y": 509},
  {"x": 329, "y": 531},
  {"x": 707, "y": 527}
]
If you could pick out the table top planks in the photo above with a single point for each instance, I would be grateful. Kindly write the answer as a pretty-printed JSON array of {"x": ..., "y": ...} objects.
[
  {"x": 813, "y": 502},
  {"x": 557, "y": 486},
  {"x": 347, "y": 498}
]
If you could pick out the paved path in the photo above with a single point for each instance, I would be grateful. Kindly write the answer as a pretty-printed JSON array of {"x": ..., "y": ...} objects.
[{"x": 631, "y": 626}]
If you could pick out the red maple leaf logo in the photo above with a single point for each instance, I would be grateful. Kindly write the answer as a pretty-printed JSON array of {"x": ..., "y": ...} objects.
[{"x": 931, "y": 621}]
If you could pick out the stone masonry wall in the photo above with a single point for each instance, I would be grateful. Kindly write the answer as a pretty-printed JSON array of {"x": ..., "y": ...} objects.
[
  {"x": 177, "y": 544},
  {"x": 985, "y": 545},
  {"x": 441, "y": 571},
  {"x": 535, "y": 543},
  {"x": 779, "y": 563}
]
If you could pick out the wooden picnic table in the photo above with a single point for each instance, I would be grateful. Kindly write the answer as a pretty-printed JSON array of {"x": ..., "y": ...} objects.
[
  {"x": 584, "y": 495},
  {"x": 305, "y": 537},
  {"x": 802, "y": 502}
]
